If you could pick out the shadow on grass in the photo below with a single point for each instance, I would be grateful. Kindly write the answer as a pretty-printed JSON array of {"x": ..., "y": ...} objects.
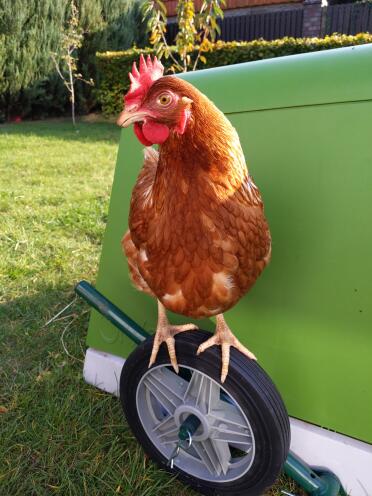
[
  {"x": 26, "y": 342},
  {"x": 64, "y": 130}
]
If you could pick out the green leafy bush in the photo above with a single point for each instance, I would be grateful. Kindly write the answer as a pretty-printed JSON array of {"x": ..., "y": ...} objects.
[{"x": 114, "y": 66}]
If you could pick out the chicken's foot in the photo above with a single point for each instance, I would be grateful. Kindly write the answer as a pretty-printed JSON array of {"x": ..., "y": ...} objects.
[
  {"x": 166, "y": 332},
  {"x": 224, "y": 337}
]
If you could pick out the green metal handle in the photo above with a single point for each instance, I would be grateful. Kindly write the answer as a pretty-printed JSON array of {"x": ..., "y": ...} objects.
[
  {"x": 316, "y": 482},
  {"x": 120, "y": 320}
]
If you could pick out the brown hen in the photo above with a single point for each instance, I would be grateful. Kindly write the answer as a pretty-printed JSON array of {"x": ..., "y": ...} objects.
[{"x": 198, "y": 238}]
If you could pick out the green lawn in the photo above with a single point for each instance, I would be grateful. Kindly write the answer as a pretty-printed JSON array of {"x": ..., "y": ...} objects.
[{"x": 57, "y": 434}]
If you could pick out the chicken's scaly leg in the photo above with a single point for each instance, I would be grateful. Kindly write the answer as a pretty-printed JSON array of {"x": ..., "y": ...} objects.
[
  {"x": 225, "y": 338},
  {"x": 166, "y": 332}
]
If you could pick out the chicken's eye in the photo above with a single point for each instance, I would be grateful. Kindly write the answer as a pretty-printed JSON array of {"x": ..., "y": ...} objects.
[{"x": 165, "y": 99}]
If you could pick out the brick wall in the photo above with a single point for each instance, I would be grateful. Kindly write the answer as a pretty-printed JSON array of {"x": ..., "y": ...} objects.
[{"x": 312, "y": 18}]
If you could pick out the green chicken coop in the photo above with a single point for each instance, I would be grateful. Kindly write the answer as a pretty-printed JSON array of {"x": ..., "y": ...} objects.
[{"x": 305, "y": 124}]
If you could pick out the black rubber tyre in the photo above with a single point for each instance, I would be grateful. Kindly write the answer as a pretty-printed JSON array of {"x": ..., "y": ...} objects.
[{"x": 252, "y": 389}]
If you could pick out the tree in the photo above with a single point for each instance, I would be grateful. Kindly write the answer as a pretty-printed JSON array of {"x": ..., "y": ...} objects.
[
  {"x": 71, "y": 41},
  {"x": 109, "y": 25},
  {"x": 201, "y": 29},
  {"x": 31, "y": 29},
  {"x": 28, "y": 32}
]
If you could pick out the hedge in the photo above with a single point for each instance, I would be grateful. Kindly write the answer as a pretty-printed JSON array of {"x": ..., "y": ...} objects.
[{"x": 114, "y": 66}]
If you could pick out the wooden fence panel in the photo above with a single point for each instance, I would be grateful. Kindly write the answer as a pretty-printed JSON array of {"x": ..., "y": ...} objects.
[
  {"x": 267, "y": 25},
  {"x": 247, "y": 27},
  {"x": 349, "y": 18}
]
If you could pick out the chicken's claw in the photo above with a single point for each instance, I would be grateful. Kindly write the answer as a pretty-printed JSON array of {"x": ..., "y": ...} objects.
[
  {"x": 225, "y": 338},
  {"x": 165, "y": 332}
]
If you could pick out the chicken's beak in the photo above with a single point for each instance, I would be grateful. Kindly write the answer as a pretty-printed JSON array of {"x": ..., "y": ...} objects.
[{"x": 126, "y": 118}]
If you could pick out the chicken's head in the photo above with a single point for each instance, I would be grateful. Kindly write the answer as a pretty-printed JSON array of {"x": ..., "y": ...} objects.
[{"x": 154, "y": 104}]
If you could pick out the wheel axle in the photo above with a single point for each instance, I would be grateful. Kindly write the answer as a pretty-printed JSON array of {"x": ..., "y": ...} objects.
[{"x": 188, "y": 427}]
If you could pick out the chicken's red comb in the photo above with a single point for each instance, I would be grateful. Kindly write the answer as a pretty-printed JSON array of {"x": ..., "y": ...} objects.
[{"x": 141, "y": 80}]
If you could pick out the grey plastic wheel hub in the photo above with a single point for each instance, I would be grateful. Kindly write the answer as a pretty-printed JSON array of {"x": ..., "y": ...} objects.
[{"x": 223, "y": 446}]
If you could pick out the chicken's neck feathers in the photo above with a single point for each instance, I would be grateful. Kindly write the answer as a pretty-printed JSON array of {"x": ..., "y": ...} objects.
[{"x": 207, "y": 156}]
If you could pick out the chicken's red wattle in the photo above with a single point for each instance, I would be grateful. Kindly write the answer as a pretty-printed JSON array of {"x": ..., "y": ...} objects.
[
  {"x": 138, "y": 132},
  {"x": 151, "y": 133}
]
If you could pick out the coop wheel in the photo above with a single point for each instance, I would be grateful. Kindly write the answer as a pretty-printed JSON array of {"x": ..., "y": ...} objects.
[{"x": 243, "y": 438}]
